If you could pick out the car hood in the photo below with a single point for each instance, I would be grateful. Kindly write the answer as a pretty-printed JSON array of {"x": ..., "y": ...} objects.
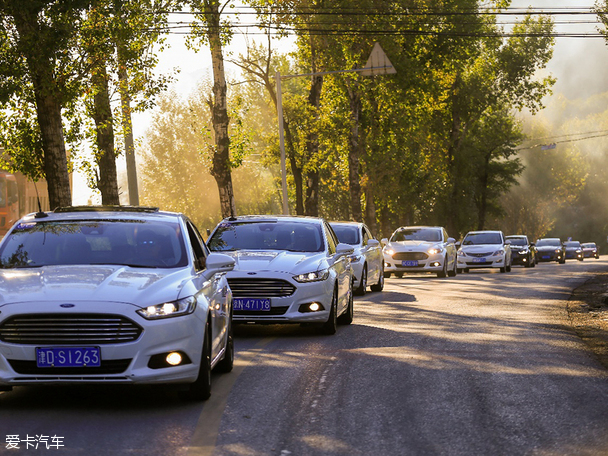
[
  {"x": 482, "y": 248},
  {"x": 412, "y": 246},
  {"x": 548, "y": 247},
  {"x": 276, "y": 261},
  {"x": 82, "y": 283}
]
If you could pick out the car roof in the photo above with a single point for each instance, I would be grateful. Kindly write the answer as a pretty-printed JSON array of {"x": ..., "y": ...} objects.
[
  {"x": 76, "y": 213},
  {"x": 484, "y": 231},
  {"x": 272, "y": 218},
  {"x": 418, "y": 227},
  {"x": 517, "y": 236}
]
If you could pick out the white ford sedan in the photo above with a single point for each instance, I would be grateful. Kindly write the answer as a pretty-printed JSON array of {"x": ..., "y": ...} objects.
[
  {"x": 367, "y": 260},
  {"x": 288, "y": 270},
  {"x": 420, "y": 249},
  {"x": 484, "y": 249},
  {"x": 113, "y": 295}
]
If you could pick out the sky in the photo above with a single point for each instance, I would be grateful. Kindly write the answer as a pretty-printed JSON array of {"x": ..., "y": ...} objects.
[{"x": 579, "y": 64}]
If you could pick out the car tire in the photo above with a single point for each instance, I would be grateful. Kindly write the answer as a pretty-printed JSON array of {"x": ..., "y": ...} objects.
[
  {"x": 399, "y": 274},
  {"x": 387, "y": 275},
  {"x": 331, "y": 325},
  {"x": 226, "y": 364},
  {"x": 466, "y": 270},
  {"x": 380, "y": 285},
  {"x": 459, "y": 271},
  {"x": 444, "y": 271},
  {"x": 362, "y": 288},
  {"x": 454, "y": 271},
  {"x": 562, "y": 261},
  {"x": 503, "y": 269},
  {"x": 200, "y": 390},
  {"x": 347, "y": 317},
  {"x": 580, "y": 259}
]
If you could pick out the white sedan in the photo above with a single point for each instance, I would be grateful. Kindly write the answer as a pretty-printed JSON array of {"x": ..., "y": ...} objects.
[
  {"x": 367, "y": 260},
  {"x": 484, "y": 249},
  {"x": 113, "y": 295},
  {"x": 288, "y": 270},
  {"x": 420, "y": 249}
]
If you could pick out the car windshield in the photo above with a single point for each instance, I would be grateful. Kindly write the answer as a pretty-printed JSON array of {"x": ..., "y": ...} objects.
[
  {"x": 589, "y": 245},
  {"x": 482, "y": 238},
  {"x": 572, "y": 244},
  {"x": 517, "y": 241},
  {"x": 417, "y": 234},
  {"x": 347, "y": 234},
  {"x": 272, "y": 235},
  {"x": 135, "y": 243},
  {"x": 549, "y": 243}
]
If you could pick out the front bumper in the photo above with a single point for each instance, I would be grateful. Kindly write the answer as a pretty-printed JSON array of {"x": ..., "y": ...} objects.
[
  {"x": 550, "y": 255},
  {"x": 470, "y": 262},
  {"x": 286, "y": 309},
  {"x": 432, "y": 263},
  {"x": 125, "y": 363}
]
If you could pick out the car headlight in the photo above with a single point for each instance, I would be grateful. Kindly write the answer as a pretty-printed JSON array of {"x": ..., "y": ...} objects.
[
  {"x": 389, "y": 252},
  {"x": 354, "y": 258},
  {"x": 169, "y": 309},
  {"x": 558, "y": 251},
  {"x": 461, "y": 253},
  {"x": 312, "y": 276},
  {"x": 498, "y": 252},
  {"x": 435, "y": 250}
]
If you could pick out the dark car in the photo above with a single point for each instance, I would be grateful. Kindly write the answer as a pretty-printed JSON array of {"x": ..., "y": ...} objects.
[
  {"x": 590, "y": 250},
  {"x": 523, "y": 252},
  {"x": 574, "y": 251},
  {"x": 551, "y": 249}
]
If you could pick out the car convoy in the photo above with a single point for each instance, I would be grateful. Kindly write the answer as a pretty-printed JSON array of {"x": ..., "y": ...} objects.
[{"x": 134, "y": 295}]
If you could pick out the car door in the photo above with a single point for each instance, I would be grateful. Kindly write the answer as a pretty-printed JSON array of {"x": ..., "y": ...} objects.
[
  {"x": 341, "y": 266},
  {"x": 374, "y": 256},
  {"x": 214, "y": 291}
]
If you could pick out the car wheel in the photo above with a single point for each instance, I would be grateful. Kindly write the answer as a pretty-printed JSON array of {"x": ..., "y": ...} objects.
[
  {"x": 387, "y": 275},
  {"x": 453, "y": 272},
  {"x": 360, "y": 291},
  {"x": 466, "y": 270},
  {"x": 580, "y": 259},
  {"x": 226, "y": 364},
  {"x": 597, "y": 257},
  {"x": 347, "y": 317},
  {"x": 459, "y": 271},
  {"x": 444, "y": 271},
  {"x": 200, "y": 390},
  {"x": 562, "y": 261},
  {"x": 398, "y": 274},
  {"x": 380, "y": 285},
  {"x": 504, "y": 269},
  {"x": 331, "y": 325}
]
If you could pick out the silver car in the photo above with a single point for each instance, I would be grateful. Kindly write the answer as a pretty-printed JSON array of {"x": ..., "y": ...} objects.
[
  {"x": 288, "y": 270},
  {"x": 367, "y": 260},
  {"x": 420, "y": 249}
]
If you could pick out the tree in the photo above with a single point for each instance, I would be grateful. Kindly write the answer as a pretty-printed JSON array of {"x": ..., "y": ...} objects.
[{"x": 38, "y": 55}]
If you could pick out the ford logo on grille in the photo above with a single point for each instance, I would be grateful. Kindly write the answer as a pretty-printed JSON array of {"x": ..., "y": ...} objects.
[{"x": 66, "y": 306}]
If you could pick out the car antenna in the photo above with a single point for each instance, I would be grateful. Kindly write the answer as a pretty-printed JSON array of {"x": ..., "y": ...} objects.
[{"x": 40, "y": 213}]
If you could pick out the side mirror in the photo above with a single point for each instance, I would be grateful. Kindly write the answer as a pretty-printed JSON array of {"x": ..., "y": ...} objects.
[
  {"x": 344, "y": 249},
  {"x": 458, "y": 244},
  {"x": 508, "y": 242},
  {"x": 451, "y": 240},
  {"x": 373, "y": 243},
  {"x": 384, "y": 241},
  {"x": 208, "y": 232},
  {"x": 218, "y": 262}
]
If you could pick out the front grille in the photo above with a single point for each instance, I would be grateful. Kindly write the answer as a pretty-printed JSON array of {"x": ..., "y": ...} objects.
[
  {"x": 113, "y": 366},
  {"x": 409, "y": 256},
  {"x": 261, "y": 313},
  {"x": 69, "y": 329},
  {"x": 260, "y": 288},
  {"x": 485, "y": 263},
  {"x": 479, "y": 255}
]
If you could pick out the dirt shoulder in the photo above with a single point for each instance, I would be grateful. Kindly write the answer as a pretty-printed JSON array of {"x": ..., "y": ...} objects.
[{"x": 588, "y": 311}]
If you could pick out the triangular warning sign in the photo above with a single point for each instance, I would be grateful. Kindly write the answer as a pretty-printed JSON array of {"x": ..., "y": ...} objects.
[{"x": 378, "y": 63}]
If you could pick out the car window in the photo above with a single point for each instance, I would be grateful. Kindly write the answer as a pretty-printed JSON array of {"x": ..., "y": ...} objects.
[
  {"x": 294, "y": 236},
  {"x": 136, "y": 243},
  {"x": 416, "y": 234},
  {"x": 572, "y": 244},
  {"x": 548, "y": 243},
  {"x": 517, "y": 241},
  {"x": 198, "y": 246},
  {"x": 332, "y": 239},
  {"x": 482, "y": 238},
  {"x": 366, "y": 235},
  {"x": 347, "y": 234}
]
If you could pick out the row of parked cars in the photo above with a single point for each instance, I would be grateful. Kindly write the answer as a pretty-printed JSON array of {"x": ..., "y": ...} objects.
[{"x": 136, "y": 295}]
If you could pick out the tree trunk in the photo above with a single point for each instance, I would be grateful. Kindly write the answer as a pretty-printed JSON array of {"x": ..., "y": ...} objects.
[
  {"x": 127, "y": 128},
  {"x": 354, "y": 152},
  {"x": 311, "y": 204},
  {"x": 483, "y": 203},
  {"x": 106, "y": 155},
  {"x": 220, "y": 169},
  {"x": 370, "y": 210},
  {"x": 48, "y": 111}
]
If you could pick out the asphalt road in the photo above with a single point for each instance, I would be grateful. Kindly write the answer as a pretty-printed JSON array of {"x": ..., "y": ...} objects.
[{"x": 480, "y": 364}]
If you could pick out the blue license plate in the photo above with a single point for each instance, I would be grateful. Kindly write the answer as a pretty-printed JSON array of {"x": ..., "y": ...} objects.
[
  {"x": 409, "y": 263},
  {"x": 479, "y": 260},
  {"x": 68, "y": 357},
  {"x": 546, "y": 257},
  {"x": 251, "y": 304}
]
